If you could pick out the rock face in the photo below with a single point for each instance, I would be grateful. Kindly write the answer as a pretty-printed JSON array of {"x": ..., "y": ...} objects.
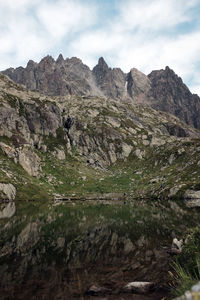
[
  {"x": 110, "y": 81},
  {"x": 171, "y": 95},
  {"x": 163, "y": 90},
  {"x": 58, "y": 77}
]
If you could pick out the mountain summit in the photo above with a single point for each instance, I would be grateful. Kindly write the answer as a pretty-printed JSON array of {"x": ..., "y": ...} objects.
[{"x": 162, "y": 89}]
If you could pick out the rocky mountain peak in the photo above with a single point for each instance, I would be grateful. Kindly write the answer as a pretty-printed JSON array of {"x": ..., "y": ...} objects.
[
  {"x": 138, "y": 85},
  {"x": 161, "y": 89},
  {"x": 173, "y": 96},
  {"x": 102, "y": 63},
  {"x": 31, "y": 64},
  {"x": 60, "y": 59}
]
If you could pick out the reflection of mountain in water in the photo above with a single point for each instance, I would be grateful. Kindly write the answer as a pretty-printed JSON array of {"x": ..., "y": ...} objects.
[{"x": 71, "y": 248}]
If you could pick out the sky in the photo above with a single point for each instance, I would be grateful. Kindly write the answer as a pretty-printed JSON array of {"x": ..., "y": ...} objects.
[{"x": 144, "y": 34}]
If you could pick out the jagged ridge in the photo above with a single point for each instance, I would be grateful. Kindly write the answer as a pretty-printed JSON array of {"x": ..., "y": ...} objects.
[{"x": 163, "y": 90}]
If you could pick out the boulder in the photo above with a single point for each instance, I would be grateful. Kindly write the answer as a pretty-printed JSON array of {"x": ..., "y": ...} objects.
[
  {"x": 139, "y": 287},
  {"x": 9, "y": 190},
  {"x": 59, "y": 154},
  {"x": 8, "y": 210},
  {"x": 25, "y": 156},
  {"x": 29, "y": 161}
]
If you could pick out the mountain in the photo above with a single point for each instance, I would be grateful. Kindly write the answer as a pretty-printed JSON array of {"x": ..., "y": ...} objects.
[
  {"x": 163, "y": 90},
  {"x": 93, "y": 189}
]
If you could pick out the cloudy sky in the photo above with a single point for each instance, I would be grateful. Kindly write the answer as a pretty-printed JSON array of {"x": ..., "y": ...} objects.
[{"x": 145, "y": 34}]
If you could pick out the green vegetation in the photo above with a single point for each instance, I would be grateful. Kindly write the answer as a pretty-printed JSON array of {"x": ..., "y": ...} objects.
[{"x": 187, "y": 264}]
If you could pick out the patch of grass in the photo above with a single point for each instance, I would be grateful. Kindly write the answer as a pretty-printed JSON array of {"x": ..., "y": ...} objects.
[{"x": 184, "y": 278}]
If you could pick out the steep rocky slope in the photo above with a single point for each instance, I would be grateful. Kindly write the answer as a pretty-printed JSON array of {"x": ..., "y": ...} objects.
[
  {"x": 163, "y": 90},
  {"x": 65, "y": 164},
  {"x": 105, "y": 134}
]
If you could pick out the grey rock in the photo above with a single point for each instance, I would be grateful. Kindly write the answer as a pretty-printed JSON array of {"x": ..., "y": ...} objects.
[
  {"x": 9, "y": 190},
  {"x": 139, "y": 287},
  {"x": 8, "y": 210}
]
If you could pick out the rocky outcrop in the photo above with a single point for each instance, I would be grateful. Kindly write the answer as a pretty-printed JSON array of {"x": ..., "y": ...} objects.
[
  {"x": 25, "y": 156},
  {"x": 138, "y": 85},
  {"x": 110, "y": 81},
  {"x": 60, "y": 77},
  {"x": 168, "y": 93}
]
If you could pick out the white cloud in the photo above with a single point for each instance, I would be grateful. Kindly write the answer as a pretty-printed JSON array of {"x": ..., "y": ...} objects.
[
  {"x": 142, "y": 33},
  {"x": 154, "y": 14},
  {"x": 61, "y": 17},
  {"x": 31, "y": 29}
]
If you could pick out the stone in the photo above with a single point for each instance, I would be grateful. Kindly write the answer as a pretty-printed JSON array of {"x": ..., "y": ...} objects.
[
  {"x": 157, "y": 142},
  {"x": 29, "y": 161},
  {"x": 128, "y": 246},
  {"x": 9, "y": 190},
  {"x": 146, "y": 142},
  {"x": 126, "y": 149},
  {"x": 139, "y": 287},
  {"x": 177, "y": 244},
  {"x": 59, "y": 154},
  {"x": 8, "y": 150},
  {"x": 140, "y": 154},
  {"x": 8, "y": 210}
]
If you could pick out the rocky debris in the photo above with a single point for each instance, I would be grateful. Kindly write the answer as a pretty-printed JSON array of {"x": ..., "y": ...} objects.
[
  {"x": 7, "y": 210},
  {"x": 192, "y": 198},
  {"x": 8, "y": 190},
  {"x": 139, "y": 287}
]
